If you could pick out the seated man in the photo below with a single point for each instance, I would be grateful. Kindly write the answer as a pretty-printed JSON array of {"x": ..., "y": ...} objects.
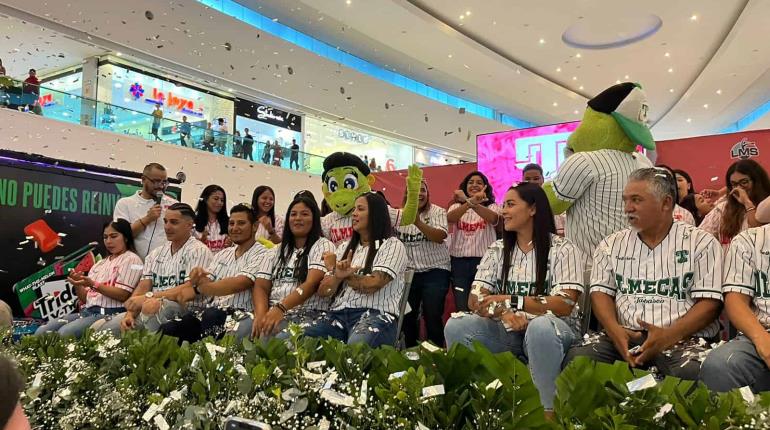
[
  {"x": 166, "y": 267},
  {"x": 229, "y": 278},
  {"x": 656, "y": 285},
  {"x": 744, "y": 360}
]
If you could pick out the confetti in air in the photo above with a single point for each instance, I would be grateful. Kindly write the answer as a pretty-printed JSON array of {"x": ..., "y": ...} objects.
[{"x": 149, "y": 15}]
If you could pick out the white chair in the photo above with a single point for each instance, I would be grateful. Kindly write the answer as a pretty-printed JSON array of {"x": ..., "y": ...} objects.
[{"x": 403, "y": 308}]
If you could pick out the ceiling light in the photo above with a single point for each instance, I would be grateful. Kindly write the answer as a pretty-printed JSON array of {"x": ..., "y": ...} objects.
[
  {"x": 689, "y": 119},
  {"x": 580, "y": 87},
  {"x": 625, "y": 77},
  {"x": 719, "y": 92},
  {"x": 694, "y": 18},
  {"x": 462, "y": 16},
  {"x": 670, "y": 70},
  {"x": 467, "y": 13},
  {"x": 555, "y": 104},
  {"x": 574, "y": 78},
  {"x": 348, "y": 2},
  {"x": 119, "y": 54},
  {"x": 706, "y": 106},
  {"x": 558, "y": 69},
  {"x": 617, "y": 81},
  {"x": 671, "y": 90},
  {"x": 578, "y": 55},
  {"x": 576, "y": 112},
  {"x": 667, "y": 54},
  {"x": 542, "y": 41},
  {"x": 450, "y": 55}
]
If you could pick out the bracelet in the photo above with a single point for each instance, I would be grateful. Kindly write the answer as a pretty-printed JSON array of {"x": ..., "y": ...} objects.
[
  {"x": 282, "y": 308},
  {"x": 142, "y": 223}
]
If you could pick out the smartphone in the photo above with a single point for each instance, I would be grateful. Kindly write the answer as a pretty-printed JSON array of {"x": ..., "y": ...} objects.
[{"x": 236, "y": 423}]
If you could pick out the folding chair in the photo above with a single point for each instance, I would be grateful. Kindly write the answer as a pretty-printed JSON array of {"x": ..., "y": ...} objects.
[{"x": 402, "y": 309}]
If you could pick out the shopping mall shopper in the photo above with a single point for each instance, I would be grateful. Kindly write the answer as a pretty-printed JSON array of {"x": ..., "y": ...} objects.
[
  {"x": 270, "y": 224},
  {"x": 184, "y": 132},
  {"x": 294, "y": 160},
  {"x": 366, "y": 281},
  {"x": 157, "y": 117},
  {"x": 211, "y": 218},
  {"x": 248, "y": 145},
  {"x": 475, "y": 216}
]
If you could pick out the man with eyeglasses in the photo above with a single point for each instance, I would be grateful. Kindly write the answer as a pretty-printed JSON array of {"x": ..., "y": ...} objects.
[{"x": 144, "y": 210}]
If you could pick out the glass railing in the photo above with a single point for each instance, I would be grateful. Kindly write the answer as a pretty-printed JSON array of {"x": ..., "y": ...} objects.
[{"x": 198, "y": 133}]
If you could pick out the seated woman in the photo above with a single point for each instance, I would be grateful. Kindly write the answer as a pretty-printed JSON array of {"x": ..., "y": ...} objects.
[
  {"x": 524, "y": 293},
  {"x": 367, "y": 281},
  {"x": 286, "y": 284},
  {"x": 109, "y": 282}
]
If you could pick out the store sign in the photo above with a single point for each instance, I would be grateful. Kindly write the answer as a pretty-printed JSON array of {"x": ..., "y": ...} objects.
[
  {"x": 353, "y": 136},
  {"x": 268, "y": 114},
  {"x": 169, "y": 99},
  {"x": 744, "y": 150}
]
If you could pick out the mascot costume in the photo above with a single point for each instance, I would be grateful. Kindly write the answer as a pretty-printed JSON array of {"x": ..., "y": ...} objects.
[
  {"x": 600, "y": 156},
  {"x": 345, "y": 178}
]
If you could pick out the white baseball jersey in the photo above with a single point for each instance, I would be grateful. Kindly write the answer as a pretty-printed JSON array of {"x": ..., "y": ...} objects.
[
  {"x": 123, "y": 271},
  {"x": 472, "y": 235},
  {"x": 283, "y": 280},
  {"x": 424, "y": 254},
  {"x": 659, "y": 285},
  {"x": 594, "y": 182},
  {"x": 215, "y": 239},
  {"x": 339, "y": 228},
  {"x": 390, "y": 259},
  {"x": 566, "y": 264},
  {"x": 134, "y": 207},
  {"x": 278, "y": 227},
  {"x": 682, "y": 214},
  {"x": 712, "y": 223},
  {"x": 747, "y": 266},
  {"x": 227, "y": 265},
  {"x": 167, "y": 270}
]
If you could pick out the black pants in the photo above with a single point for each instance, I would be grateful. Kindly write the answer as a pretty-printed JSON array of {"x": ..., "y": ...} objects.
[
  {"x": 428, "y": 293},
  {"x": 247, "y": 152},
  {"x": 294, "y": 160},
  {"x": 463, "y": 272}
]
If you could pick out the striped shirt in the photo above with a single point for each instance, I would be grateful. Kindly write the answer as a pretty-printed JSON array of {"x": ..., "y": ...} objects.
[
  {"x": 278, "y": 227},
  {"x": 123, "y": 271},
  {"x": 682, "y": 214},
  {"x": 747, "y": 266},
  {"x": 167, "y": 270},
  {"x": 215, "y": 240},
  {"x": 472, "y": 235},
  {"x": 659, "y": 285},
  {"x": 594, "y": 182},
  {"x": 227, "y": 265},
  {"x": 424, "y": 254},
  {"x": 391, "y": 260},
  {"x": 560, "y": 221},
  {"x": 339, "y": 228},
  {"x": 284, "y": 283},
  {"x": 712, "y": 223}
]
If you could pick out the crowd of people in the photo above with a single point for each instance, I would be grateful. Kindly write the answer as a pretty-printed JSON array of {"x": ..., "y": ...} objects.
[{"x": 657, "y": 284}]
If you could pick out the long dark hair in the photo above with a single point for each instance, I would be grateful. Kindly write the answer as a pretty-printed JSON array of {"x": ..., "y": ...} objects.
[
  {"x": 325, "y": 209},
  {"x": 287, "y": 241},
  {"x": 542, "y": 229},
  {"x": 255, "y": 202},
  {"x": 379, "y": 229},
  {"x": 734, "y": 213},
  {"x": 686, "y": 176},
  {"x": 489, "y": 192},
  {"x": 202, "y": 210},
  {"x": 123, "y": 227},
  {"x": 688, "y": 202}
]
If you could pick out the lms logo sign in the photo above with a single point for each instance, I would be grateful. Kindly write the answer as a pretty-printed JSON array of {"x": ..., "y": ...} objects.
[{"x": 744, "y": 150}]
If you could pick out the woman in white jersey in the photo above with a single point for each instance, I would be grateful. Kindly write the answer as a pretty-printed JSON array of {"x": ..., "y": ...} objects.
[
  {"x": 109, "y": 282},
  {"x": 474, "y": 216},
  {"x": 428, "y": 256},
  {"x": 211, "y": 219},
  {"x": 525, "y": 291},
  {"x": 367, "y": 281},
  {"x": 270, "y": 224},
  {"x": 285, "y": 288}
]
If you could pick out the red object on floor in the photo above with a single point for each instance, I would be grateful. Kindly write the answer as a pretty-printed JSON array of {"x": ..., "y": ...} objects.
[{"x": 47, "y": 239}]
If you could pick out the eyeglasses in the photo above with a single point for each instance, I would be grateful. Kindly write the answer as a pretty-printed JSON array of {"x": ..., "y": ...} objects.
[
  {"x": 163, "y": 182},
  {"x": 742, "y": 183}
]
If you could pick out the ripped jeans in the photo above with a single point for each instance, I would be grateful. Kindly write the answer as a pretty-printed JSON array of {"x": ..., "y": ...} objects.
[
  {"x": 356, "y": 325},
  {"x": 542, "y": 345}
]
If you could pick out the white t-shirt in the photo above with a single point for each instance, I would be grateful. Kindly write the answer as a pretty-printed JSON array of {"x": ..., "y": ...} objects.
[
  {"x": 227, "y": 265},
  {"x": 659, "y": 285},
  {"x": 424, "y": 254},
  {"x": 278, "y": 227},
  {"x": 167, "y": 270},
  {"x": 339, "y": 228},
  {"x": 594, "y": 182},
  {"x": 390, "y": 259},
  {"x": 682, "y": 214},
  {"x": 123, "y": 271},
  {"x": 284, "y": 283},
  {"x": 747, "y": 267},
  {"x": 215, "y": 240},
  {"x": 472, "y": 235},
  {"x": 134, "y": 207}
]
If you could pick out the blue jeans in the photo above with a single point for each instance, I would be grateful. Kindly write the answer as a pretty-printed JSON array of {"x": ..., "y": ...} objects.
[
  {"x": 356, "y": 325},
  {"x": 77, "y": 324},
  {"x": 428, "y": 292},
  {"x": 542, "y": 345},
  {"x": 463, "y": 272},
  {"x": 735, "y": 364}
]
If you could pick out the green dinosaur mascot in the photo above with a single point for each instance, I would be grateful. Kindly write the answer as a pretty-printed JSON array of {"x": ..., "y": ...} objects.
[
  {"x": 345, "y": 178},
  {"x": 589, "y": 185}
]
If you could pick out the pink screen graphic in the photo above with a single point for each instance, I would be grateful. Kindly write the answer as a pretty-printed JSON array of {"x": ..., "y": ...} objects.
[{"x": 502, "y": 156}]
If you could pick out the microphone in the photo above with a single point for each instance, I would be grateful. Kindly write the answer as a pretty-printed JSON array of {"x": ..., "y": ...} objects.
[{"x": 158, "y": 197}]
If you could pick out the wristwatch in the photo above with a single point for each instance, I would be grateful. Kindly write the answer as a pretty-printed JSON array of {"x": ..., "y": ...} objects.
[{"x": 149, "y": 294}]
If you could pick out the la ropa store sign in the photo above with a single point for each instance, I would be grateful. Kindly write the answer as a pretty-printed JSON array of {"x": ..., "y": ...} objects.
[{"x": 170, "y": 100}]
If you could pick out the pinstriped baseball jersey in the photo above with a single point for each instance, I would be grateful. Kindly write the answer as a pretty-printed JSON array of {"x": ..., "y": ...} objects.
[
  {"x": 278, "y": 227},
  {"x": 682, "y": 214},
  {"x": 472, "y": 235},
  {"x": 747, "y": 266},
  {"x": 123, "y": 271},
  {"x": 339, "y": 228},
  {"x": 284, "y": 282},
  {"x": 390, "y": 259},
  {"x": 565, "y": 271},
  {"x": 227, "y": 265},
  {"x": 167, "y": 270},
  {"x": 659, "y": 285},
  {"x": 424, "y": 254},
  {"x": 594, "y": 181},
  {"x": 215, "y": 239}
]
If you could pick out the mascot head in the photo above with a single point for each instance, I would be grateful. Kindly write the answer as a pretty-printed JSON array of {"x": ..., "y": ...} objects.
[
  {"x": 345, "y": 177},
  {"x": 615, "y": 119}
]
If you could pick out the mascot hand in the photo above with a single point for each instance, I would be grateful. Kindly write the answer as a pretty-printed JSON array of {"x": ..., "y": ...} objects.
[
  {"x": 558, "y": 206},
  {"x": 265, "y": 242},
  {"x": 413, "y": 181}
]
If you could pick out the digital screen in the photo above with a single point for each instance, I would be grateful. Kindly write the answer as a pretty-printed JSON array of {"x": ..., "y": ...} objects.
[{"x": 502, "y": 156}]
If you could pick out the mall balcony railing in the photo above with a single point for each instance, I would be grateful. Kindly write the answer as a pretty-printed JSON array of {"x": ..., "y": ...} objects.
[{"x": 75, "y": 109}]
